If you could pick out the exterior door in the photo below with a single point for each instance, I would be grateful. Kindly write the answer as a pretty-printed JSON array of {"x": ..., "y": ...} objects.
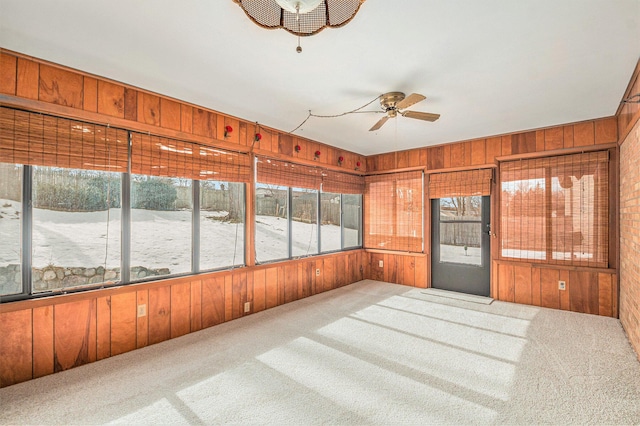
[{"x": 460, "y": 244}]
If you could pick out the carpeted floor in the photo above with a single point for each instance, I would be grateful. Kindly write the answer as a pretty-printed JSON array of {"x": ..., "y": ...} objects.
[{"x": 368, "y": 353}]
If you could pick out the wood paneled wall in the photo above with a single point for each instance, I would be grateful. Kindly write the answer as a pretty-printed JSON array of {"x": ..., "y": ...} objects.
[
  {"x": 50, "y": 88},
  {"x": 586, "y": 291},
  {"x": 399, "y": 268},
  {"x": 480, "y": 152},
  {"x": 628, "y": 114},
  {"x": 43, "y": 336}
]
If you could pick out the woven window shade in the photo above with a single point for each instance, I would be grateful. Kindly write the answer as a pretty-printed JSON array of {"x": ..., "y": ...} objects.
[
  {"x": 460, "y": 184},
  {"x": 342, "y": 183},
  {"x": 393, "y": 212},
  {"x": 276, "y": 172},
  {"x": 556, "y": 210},
  {"x": 157, "y": 156},
  {"x": 41, "y": 140}
]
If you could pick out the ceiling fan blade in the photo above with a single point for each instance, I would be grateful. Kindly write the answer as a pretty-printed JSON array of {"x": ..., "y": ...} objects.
[
  {"x": 379, "y": 123},
  {"x": 426, "y": 116},
  {"x": 412, "y": 99}
]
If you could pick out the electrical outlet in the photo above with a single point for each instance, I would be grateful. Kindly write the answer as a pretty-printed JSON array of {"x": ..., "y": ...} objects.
[
  {"x": 317, "y": 272},
  {"x": 380, "y": 264},
  {"x": 247, "y": 307},
  {"x": 142, "y": 311},
  {"x": 562, "y": 285}
]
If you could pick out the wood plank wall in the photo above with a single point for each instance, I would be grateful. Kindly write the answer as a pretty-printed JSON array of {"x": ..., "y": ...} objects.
[
  {"x": 45, "y": 87},
  {"x": 399, "y": 268},
  {"x": 44, "y": 336},
  {"x": 587, "y": 291}
]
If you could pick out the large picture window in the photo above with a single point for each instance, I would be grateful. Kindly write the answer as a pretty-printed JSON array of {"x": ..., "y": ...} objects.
[
  {"x": 272, "y": 222},
  {"x": 556, "y": 210}
]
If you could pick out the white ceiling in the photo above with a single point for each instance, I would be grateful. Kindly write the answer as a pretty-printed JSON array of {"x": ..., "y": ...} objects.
[{"x": 488, "y": 67}]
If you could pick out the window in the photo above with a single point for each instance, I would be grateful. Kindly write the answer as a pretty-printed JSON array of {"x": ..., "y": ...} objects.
[
  {"x": 351, "y": 220},
  {"x": 556, "y": 209},
  {"x": 222, "y": 217},
  {"x": 272, "y": 222},
  {"x": 10, "y": 228},
  {"x": 304, "y": 222},
  {"x": 76, "y": 228},
  {"x": 393, "y": 205},
  {"x": 289, "y": 213},
  {"x": 330, "y": 223},
  {"x": 460, "y": 230}
]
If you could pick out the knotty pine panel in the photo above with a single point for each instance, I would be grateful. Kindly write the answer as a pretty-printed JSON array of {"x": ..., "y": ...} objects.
[
  {"x": 259, "y": 290},
  {"x": 130, "y": 104},
  {"x": 290, "y": 283},
  {"x": 180, "y": 309},
  {"x": 90, "y": 94},
  {"x": 567, "y": 132},
  {"x": 159, "y": 312},
  {"x": 409, "y": 271},
  {"x": 339, "y": 272},
  {"x": 507, "y": 145},
  {"x": 28, "y": 76},
  {"x": 204, "y": 123},
  {"x": 222, "y": 123},
  {"x": 522, "y": 284},
  {"x": 123, "y": 322},
  {"x": 478, "y": 152},
  {"x": 103, "y": 331},
  {"x": 148, "y": 109},
  {"x": 75, "y": 334},
  {"x": 239, "y": 296},
  {"x": 328, "y": 273},
  {"x": 565, "y": 302},
  {"x": 110, "y": 99},
  {"x": 606, "y": 131},
  {"x": 536, "y": 293},
  {"x": 196, "y": 305},
  {"x": 436, "y": 158},
  {"x": 16, "y": 347},
  {"x": 212, "y": 301},
  {"x": 446, "y": 156},
  {"x": 318, "y": 280},
  {"x": 271, "y": 287},
  {"x": 493, "y": 148},
  {"x": 42, "y": 341},
  {"x": 523, "y": 143},
  {"x": 421, "y": 272},
  {"x": 584, "y": 294},
  {"x": 8, "y": 74},
  {"x": 170, "y": 114},
  {"x": 539, "y": 140},
  {"x": 549, "y": 288},
  {"x": 142, "y": 321},
  {"x": 61, "y": 87},
  {"x": 186, "y": 118},
  {"x": 605, "y": 295},
  {"x": 554, "y": 138},
  {"x": 583, "y": 134},
  {"x": 228, "y": 297},
  {"x": 506, "y": 286}
]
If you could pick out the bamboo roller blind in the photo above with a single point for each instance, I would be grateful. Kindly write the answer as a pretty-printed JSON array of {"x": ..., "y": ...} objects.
[
  {"x": 283, "y": 173},
  {"x": 556, "y": 210},
  {"x": 460, "y": 184},
  {"x": 393, "y": 211},
  {"x": 157, "y": 156},
  {"x": 40, "y": 140}
]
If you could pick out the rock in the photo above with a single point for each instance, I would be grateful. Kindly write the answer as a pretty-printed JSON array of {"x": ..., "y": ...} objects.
[
  {"x": 77, "y": 271},
  {"x": 60, "y": 273},
  {"x": 110, "y": 275},
  {"x": 36, "y": 275},
  {"x": 97, "y": 279},
  {"x": 40, "y": 285},
  {"x": 142, "y": 274},
  {"x": 100, "y": 270},
  {"x": 17, "y": 278},
  {"x": 3, "y": 279},
  {"x": 49, "y": 275},
  {"x": 73, "y": 280},
  {"x": 67, "y": 272},
  {"x": 163, "y": 271},
  {"x": 89, "y": 272}
]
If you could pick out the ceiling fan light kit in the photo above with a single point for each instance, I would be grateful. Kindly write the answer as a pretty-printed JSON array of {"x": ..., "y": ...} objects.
[
  {"x": 300, "y": 17},
  {"x": 394, "y": 103}
]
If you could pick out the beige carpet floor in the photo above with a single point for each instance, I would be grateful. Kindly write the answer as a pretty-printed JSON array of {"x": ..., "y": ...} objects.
[{"x": 368, "y": 353}]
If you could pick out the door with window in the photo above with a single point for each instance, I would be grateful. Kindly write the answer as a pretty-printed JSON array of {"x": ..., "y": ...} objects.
[{"x": 460, "y": 247}]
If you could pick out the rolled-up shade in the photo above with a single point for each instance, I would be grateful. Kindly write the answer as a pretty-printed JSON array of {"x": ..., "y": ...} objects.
[
  {"x": 158, "y": 156},
  {"x": 556, "y": 209},
  {"x": 393, "y": 212},
  {"x": 42, "y": 140},
  {"x": 460, "y": 184},
  {"x": 283, "y": 173},
  {"x": 342, "y": 183}
]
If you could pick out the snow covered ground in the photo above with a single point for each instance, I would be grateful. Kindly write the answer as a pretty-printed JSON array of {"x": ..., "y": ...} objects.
[{"x": 159, "y": 239}]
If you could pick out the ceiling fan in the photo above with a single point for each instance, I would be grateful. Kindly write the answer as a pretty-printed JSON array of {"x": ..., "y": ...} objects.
[{"x": 393, "y": 103}]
